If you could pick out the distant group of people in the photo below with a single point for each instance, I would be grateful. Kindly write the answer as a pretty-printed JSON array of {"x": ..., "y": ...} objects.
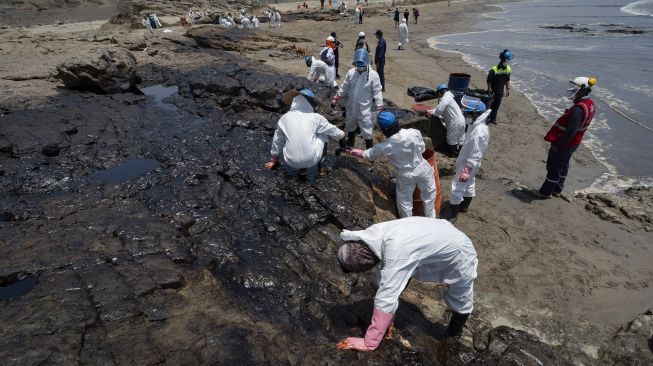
[{"x": 151, "y": 22}]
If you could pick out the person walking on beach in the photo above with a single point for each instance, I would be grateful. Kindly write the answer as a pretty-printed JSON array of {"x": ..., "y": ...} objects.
[
  {"x": 452, "y": 118},
  {"x": 397, "y": 12},
  {"x": 362, "y": 43},
  {"x": 336, "y": 52},
  {"x": 449, "y": 3},
  {"x": 565, "y": 136},
  {"x": 321, "y": 4},
  {"x": 415, "y": 14},
  {"x": 357, "y": 14},
  {"x": 379, "y": 57},
  {"x": 363, "y": 91},
  {"x": 497, "y": 78},
  {"x": 360, "y": 15},
  {"x": 404, "y": 149},
  {"x": 406, "y": 15},
  {"x": 403, "y": 34},
  {"x": 477, "y": 138},
  {"x": 430, "y": 250}
]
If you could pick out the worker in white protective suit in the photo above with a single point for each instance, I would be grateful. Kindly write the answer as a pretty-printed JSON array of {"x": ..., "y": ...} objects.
[
  {"x": 428, "y": 249},
  {"x": 404, "y": 149},
  {"x": 362, "y": 89},
  {"x": 277, "y": 19},
  {"x": 403, "y": 34},
  {"x": 300, "y": 140},
  {"x": 255, "y": 22},
  {"x": 245, "y": 22},
  {"x": 271, "y": 19},
  {"x": 320, "y": 71},
  {"x": 469, "y": 160},
  {"x": 452, "y": 118}
]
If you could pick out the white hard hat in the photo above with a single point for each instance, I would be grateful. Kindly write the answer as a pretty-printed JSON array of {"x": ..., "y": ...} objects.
[
  {"x": 329, "y": 38},
  {"x": 361, "y": 34},
  {"x": 583, "y": 81}
]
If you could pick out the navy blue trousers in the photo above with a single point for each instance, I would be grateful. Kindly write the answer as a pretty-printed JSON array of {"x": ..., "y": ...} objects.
[
  {"x": 496, "y": 102},
  {"x": 557, "y": 167},
  {"x": 380, "y": 69}
]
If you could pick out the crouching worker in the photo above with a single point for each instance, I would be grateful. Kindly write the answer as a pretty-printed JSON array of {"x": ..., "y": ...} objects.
[
  {"x": 320, "y": 71},
  {"x": 430, "y": 250},
  {"x": 452, "y": 118},
  {"x": 477, "y": 138},
  {"x": 300, "y": 140},
  {"x": 404, "y": 149}
]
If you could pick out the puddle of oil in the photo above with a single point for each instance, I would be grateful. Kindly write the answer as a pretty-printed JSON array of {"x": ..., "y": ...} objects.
[
  {"x": 160, "y": 93},
  {"x": 18, "y": 288},
  {"x": 127, "y": 170}
]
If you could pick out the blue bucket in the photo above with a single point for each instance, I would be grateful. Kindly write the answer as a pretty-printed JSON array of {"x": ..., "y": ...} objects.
[{"x": 458, "y": 85}]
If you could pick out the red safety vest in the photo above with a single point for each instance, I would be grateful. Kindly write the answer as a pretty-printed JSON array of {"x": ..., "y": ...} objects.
[{"x": 558, "y": 129}]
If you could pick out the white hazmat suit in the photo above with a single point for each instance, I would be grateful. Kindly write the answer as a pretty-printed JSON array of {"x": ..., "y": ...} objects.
[
  {"x": 471, "y": 154},
  {"x": 403, "y": 34},
  {"x": 255, "y": 22},
  {"x": 404, "y": 149},
  {"x": 452, "y": 118},
  {"x": 277, "y": 19},
  {"x": 320, "y": 71},
  {"x": 361, "y": 89},
  {"x": 301, "y": 134},
  {"x": 430, "y": 250},
  {"x": 245, "y": 22}
]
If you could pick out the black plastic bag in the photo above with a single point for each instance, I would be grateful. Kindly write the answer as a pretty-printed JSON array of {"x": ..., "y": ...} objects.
[{"x": 421, "y": 93}]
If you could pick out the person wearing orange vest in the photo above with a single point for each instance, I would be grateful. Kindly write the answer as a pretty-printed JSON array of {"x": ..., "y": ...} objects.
[{"x": 565, "y": 135}]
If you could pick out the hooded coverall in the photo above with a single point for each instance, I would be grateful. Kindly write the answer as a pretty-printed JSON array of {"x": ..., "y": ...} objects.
[
  {"x": 471, "y": 154},
  {"x": 301, "y": 135},
  {"x": 361, "y": 89},
  {"x": 430, "y": 250},
  {"x": 404, "y": 149},
  {"x": 403, "y": 34},
  {"x": 320, "y": 69},
  {"x": 452, "y": 117}
]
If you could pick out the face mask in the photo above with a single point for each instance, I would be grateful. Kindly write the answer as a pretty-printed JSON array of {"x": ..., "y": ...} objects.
[{"x": 361, "y": 69}]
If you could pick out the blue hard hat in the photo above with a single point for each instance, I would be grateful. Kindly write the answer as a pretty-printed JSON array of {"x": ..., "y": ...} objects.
[
  {"x": 506, "y": 55},
  {"x": 308, "y": 93},
  {"x": 361, "y": 58},
  {"x": 479, "y": 108},
  {"x": 386, "y": 119},
  {"x": 308, "y": 60},
  {"x": 441, "y": 86}
]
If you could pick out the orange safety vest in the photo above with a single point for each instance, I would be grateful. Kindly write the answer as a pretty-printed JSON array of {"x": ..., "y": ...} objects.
[{"x": 558, "y": 129}]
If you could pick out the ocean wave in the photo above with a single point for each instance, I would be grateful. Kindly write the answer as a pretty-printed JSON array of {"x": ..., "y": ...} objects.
[
  {"x": 614, "y": 183},
  {"x": 643, "y": 7}
]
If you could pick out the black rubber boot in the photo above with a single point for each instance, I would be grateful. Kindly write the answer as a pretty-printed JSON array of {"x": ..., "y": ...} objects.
[
  {"x": 464, "y": 206},
  {"x": 454, "y": 213},
  {"x": 456, "y": 324},
  {"x": 351, "y": 138},
  {"x": 369, "y": 143}
]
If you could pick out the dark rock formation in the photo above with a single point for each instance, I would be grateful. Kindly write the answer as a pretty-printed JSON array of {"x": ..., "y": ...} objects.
[{"x": 108, "y": 71}]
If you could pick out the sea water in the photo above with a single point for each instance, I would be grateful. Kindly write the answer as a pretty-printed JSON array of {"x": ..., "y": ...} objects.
[{"x": 555, "y": 41}]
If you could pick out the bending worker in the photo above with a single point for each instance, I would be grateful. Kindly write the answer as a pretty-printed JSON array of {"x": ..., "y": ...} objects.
[
  {"x": 477, "y": 138},
  {"x": 362, "y": 89},
  {"x": 565, "y": 135},
  {"x": 452, "y": 118},
  {"x": 428, "y": 249},
  {"x": 319, "y": 71},
  {"x": 404, "y": 149},
  {"x": 497, "y": 78},
  {"x": 301, "y": 134}
]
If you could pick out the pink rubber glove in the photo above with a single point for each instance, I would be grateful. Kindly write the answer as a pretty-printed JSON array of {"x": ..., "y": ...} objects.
[
  {"x": 335, "y": 100},
  {"x": 274, "y": 160},
  {"x": 464, "y": 177},
  {"x": 355, "y": 152},
  {"x": 379, "y": 107},
  {"x": 374, "y": 335}
]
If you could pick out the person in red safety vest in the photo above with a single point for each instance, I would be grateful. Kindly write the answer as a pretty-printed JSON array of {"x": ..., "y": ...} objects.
[{"x": 565, "y": 135}]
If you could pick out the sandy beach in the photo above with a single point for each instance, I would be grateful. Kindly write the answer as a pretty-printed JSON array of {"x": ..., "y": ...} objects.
[{"x": 568, "y": 270}]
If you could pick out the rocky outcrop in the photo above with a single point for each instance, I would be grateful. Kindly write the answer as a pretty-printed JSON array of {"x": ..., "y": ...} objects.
[
  {"x": 633, "y": 343},
  {"x": 107, "y": 71},
  {"x": 633, "y": 208}
]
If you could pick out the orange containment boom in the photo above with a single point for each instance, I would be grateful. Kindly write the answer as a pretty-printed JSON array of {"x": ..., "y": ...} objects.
[{"x": 418, "y": 206}]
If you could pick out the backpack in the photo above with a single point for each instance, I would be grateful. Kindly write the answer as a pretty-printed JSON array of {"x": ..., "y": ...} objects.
[{"x": 324, "y": 56}]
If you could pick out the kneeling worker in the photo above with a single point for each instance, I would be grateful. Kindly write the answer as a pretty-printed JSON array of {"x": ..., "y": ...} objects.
[
  {"x": 469, "y": 160},
  {"x": 404, "y": 149},
  {"x": 428, "y": 249},
  {"x": 301, "y": 133}
]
